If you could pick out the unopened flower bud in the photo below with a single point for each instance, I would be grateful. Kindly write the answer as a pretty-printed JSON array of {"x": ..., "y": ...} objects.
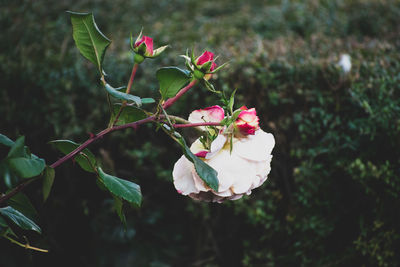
[
  {"x": 205, "y": 62},
  {"x": 144, "y": 46}
]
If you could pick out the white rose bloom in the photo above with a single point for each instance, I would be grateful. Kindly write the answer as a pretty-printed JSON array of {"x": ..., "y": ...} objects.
[{"x": 239, "y": 172}]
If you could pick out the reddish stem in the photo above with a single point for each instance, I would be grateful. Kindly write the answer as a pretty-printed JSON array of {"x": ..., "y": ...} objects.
[
  {"x": 76, "y": 151},
  {"x": 196, "y": 124},
  {"x": 172, "y": 100},
  {"x": 133, "y": 125},
  {"x": 100, "y": 135},
  {"x": 134, "y": 69},
  {"x": 128, "y": 89}
]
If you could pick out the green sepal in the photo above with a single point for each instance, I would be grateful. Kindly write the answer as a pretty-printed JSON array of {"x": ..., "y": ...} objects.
[
  {"x": 209, "y": 86},
  {"x": 157, "y": 52},
  {"x": 205, "y": 68},
  {"x": 231, "y": 101},
  {"x": 219, "y": 68}
]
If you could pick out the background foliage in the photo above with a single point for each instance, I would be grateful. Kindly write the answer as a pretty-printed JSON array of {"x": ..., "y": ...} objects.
[{"x": 332, "y": 196}]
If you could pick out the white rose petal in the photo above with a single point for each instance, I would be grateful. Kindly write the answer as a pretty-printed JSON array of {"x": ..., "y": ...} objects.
[
  {"x": 256, "y": 147},
  {"x": 183, "y": 179},
  {"x": 246, "y": 168}
]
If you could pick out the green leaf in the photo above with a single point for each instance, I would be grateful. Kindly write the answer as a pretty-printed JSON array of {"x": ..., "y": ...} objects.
[
  {"x": 205, "y": 172},
  {"x": 17, "y": 150},
  {"x": 123, "y": 96},
  {"x": 66, "y": 146},
  {"x": 27, "y": 167},
  {"x": 19, "y": 219},
  {"x": 121, "y": 188},
  {"x": 118, "y": 205},
  {"x": 5, "y": 140},
  {"x": 22, "y": 203},
  {"x": 3, "y": 222},
  {"x": 48, "y": 179},
  {"x": 90, "y": 41},
  {"x": 9, "y": 178},
  {"x": 171, "y": 80},
  {"x": 128, "y": 114}
]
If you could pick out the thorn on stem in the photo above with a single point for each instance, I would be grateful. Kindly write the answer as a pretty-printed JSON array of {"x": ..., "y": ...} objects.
[{"x": 92, "y": 135}]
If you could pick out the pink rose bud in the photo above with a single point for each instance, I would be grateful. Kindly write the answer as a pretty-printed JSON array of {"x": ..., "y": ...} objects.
[
  {"x": 206, "y": 57},
  {"x": 146, "y": 43},
  {"x": 247, "y": 121}
]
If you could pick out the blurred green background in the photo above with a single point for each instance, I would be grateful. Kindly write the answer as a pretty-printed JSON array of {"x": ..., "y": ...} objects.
[{"x": 332, "y": 197}]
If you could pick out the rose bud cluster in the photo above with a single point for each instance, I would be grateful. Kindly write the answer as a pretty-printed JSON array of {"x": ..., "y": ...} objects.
[
  {"x": 242, "y": 163},
  {"x": 143, "y": 48}
]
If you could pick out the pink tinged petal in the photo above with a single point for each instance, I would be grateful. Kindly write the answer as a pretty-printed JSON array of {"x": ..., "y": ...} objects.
[
  {"x": 197, "y": 147},
  {"x": 247, "y": 121},
  {"x": 183, "y": 178},
  {"x": 216, "y": 113},
  {"x": 209, "y": 114},
  {"x": 205, "y": 57},
  {"x": 246, "y": 128},
  {"x": 216, "y": 146},
  {"x": 256, "y": 147},
  {"x": 149, "y": 44},
  {"x": 248, "y": 115},
  {"x": 201, "y": 154}
]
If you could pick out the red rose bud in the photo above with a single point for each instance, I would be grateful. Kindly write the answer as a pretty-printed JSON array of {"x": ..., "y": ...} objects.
[
  {"x": 205, "y": 61},
  {"x": 145, "y": 46},
  {"x": 247, "y": 121}
]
